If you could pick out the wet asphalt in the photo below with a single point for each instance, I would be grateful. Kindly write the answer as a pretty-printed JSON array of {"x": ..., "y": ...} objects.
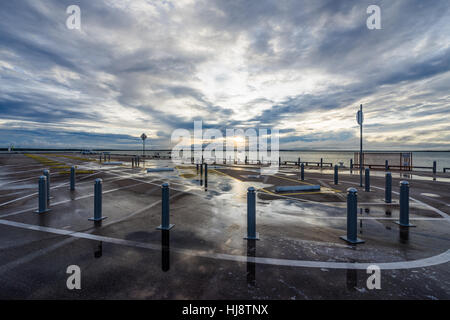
[{"x": 205, "y": 255}]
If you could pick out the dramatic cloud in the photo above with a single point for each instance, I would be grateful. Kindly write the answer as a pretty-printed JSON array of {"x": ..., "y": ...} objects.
[{"x": 154, "y": 66}]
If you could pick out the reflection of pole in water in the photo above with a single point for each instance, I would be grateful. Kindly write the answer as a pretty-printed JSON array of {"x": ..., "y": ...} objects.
[
  {"x": 201, "y": 174},
  {"x": 206, "y": 176},
  {"x": 404, "y": 234},
  {"x": 165, "y": 250},
  {"x": 251, "y": 266},
  {"x": 352, "y": 279},
  {"x": 98, "y": 250}
]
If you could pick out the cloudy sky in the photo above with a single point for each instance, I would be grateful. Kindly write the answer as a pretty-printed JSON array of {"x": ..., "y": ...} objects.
[{"x": 302, "y": 67}]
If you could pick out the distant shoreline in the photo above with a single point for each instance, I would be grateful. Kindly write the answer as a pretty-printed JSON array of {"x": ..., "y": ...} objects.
[{"x": 168, "y": 150}]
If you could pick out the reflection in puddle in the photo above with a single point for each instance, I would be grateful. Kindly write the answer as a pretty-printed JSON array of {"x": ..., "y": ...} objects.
[
  {"x": 352, "y": 279},
  {"x": 404, "y": 234},
  {"x": 165, "y": 250},
  {"x": 251, "y": 266},
  {"x": 98, "y": 251}
]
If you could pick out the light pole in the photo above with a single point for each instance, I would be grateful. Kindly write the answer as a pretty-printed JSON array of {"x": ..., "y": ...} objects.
[
  {"x": 143, "y": 137},
  {"x": 360, "y": 119}
]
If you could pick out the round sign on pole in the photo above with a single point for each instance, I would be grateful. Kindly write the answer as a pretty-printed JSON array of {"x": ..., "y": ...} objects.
[
  {"x": 359, "y": 117},
  {"x": 143, "y": 136}
]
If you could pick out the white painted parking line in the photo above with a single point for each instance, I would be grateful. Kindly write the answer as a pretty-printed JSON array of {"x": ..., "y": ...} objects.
[
  {"x": 36, "y": 193},
  {"x": 68, "y": 200},
  {"x": 30, "y": 178},
  {"x": 421, "y": 263}
]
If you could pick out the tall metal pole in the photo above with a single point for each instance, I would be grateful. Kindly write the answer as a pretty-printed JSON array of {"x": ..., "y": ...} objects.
[
  {"x": 143, "y": 137},
  {"x": 361, "y": 148}
]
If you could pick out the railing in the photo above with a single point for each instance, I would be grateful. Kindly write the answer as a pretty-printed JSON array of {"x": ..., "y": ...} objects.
[{"x": 393, "y": 167}]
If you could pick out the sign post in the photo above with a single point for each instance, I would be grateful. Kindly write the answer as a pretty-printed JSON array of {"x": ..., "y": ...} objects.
[
  {"x": 143, "y": 137},
  {"x": 360, "y": 120}
]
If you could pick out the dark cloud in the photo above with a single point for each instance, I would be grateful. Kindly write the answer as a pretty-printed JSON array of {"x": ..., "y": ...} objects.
[{"x": 157, "y": 66}]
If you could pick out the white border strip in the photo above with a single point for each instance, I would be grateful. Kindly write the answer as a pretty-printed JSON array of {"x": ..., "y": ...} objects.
[{"x": 421, "y": 263}]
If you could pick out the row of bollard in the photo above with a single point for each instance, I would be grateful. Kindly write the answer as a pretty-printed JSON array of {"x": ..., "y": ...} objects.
[
  {"x": 388, "y": 187},
  {"x": 44, "y": 189},
  {"x": 135, "y": 161},
  {"x": 44, "y": 194},
  {"x": 201, "y": 173},
  {"x": 104, "y": 157},
  {"x": 352, "y": 202},
  {"x": 350, "y": 237}
]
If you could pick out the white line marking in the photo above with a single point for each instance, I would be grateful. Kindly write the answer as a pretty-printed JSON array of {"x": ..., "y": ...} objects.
[
  {"x": 10, "y": 182},
  {"x": 421, "y": 263},
  {"x": 69, "y": 200},
  {"x": 38, "y": 253},
  {"x": 36, "y": 193}
]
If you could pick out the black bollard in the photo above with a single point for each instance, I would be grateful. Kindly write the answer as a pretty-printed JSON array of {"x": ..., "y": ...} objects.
[
  {"x": 42, "y": 208},
  {"x": 404, "y": 205},
  {"x": 98, "y": 204},
  {"x": 336, "y": 177},
  {"x": 72, "y": 178},
  {"x": 165, "y": 208},
  {"x": 47, "y": 175},
  {"x": 388, "y": 188},
  {"x": 352, "y": 223},
  {"x": 367, "y": 181},
  {"x": 251, "y": 215},
  {"x": 302, "y": 172}
]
